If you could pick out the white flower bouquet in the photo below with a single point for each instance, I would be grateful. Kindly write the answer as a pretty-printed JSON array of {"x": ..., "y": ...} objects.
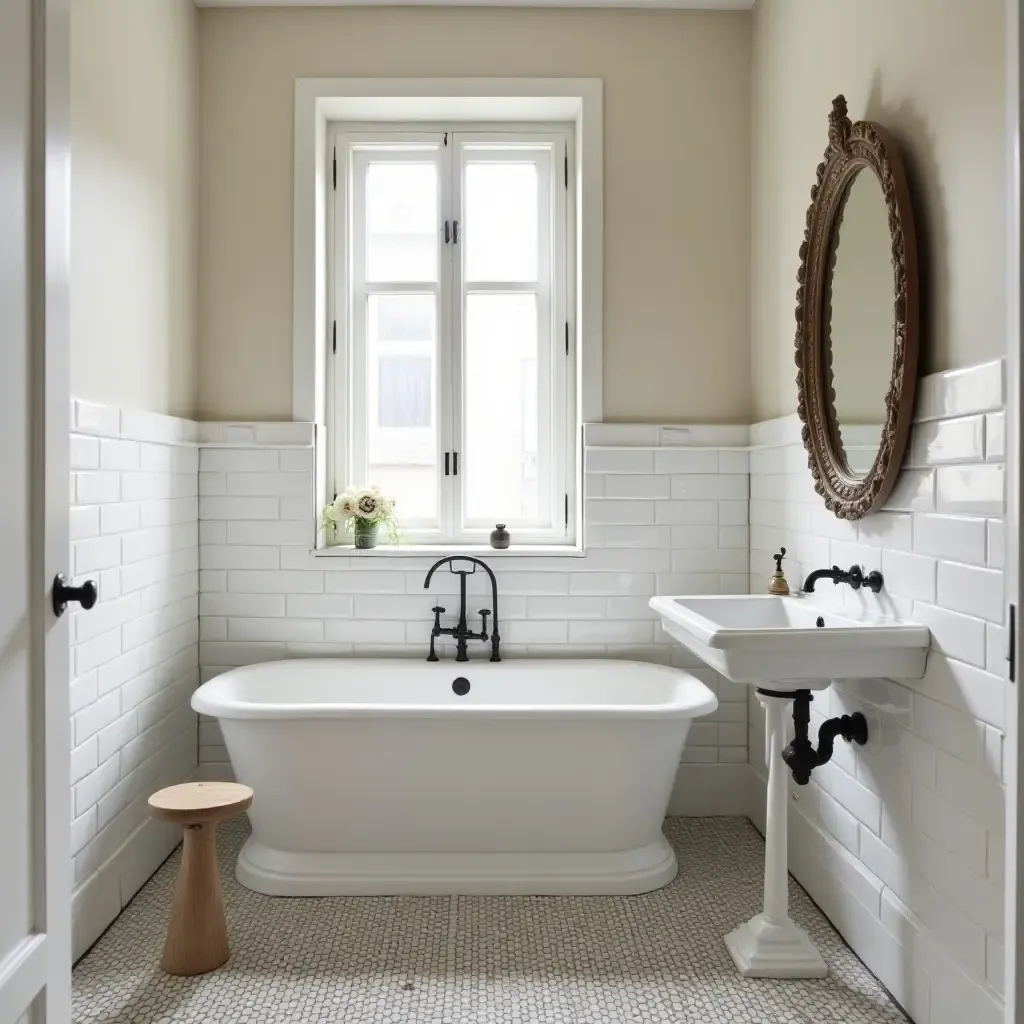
[{"x": 364, "y": 511}]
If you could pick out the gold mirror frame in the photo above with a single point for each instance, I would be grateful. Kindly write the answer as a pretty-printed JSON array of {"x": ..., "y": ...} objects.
[{"x": 853, "y": 148}]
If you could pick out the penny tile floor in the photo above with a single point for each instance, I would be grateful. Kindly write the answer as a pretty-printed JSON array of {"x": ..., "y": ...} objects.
[{"x": 658, "y": 957}]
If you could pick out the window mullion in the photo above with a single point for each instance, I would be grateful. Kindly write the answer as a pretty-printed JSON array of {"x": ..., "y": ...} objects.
[
  {"x": 458, "y": 306},
  {"x": 446, "y": 335}
]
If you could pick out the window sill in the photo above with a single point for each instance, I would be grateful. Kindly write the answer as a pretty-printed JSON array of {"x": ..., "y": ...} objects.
[{"x": 440, "y": 551}]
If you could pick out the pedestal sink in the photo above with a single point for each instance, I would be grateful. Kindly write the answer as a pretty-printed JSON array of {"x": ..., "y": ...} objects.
[{"x": 784, "y": 646}]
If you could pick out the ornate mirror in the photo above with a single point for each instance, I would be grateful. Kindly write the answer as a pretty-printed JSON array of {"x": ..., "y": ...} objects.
[{"x": 857, "y": 318}]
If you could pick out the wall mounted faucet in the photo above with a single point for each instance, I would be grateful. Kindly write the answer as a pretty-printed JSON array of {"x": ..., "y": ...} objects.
[
  {"x": 461, "y": 630},
  {"x": 854, "y": 577}
]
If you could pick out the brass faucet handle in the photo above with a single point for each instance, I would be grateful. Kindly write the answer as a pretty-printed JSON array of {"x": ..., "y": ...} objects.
[{"x": 778, "y": 559}]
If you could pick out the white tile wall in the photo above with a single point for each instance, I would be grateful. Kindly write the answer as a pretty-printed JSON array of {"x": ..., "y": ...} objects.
[
  {"x": 658, "y": 518},
  {"x": 901, "y": 841},
  {"x": 134, "y": 657}
]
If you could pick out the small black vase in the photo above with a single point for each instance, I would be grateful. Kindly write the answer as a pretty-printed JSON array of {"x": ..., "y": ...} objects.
[{"x": 500, "y": 537}]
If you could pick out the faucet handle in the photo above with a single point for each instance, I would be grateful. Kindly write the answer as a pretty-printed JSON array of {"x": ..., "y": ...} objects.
[
  {"x": 437, "y": 610},
  {"x": 778, "y": 559},
  {"x": 484, "y": 612}
]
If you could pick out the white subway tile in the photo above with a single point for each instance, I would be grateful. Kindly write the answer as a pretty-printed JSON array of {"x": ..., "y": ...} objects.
[
  {"x": 948, "y": 729},
  {"x": 118, "y": 455},
  {"x": 691, "y": 513},
  {"x": 369, "y": 581},
  {"x": 96, "y": 488},
  {"x": 960, "y": 835},
  {"x": 238, "y": 556},
  {"x": 297, "y": 433},
  {"x": 558, "y": 607},
  {"x": 997, "y": 650},
  {"x": 957, "y": 538},
  {"x": 270, "y": 533},
  {"x": 93, "y": 418},
  {"x": 731, "y": 537},
  {"x": 702, "y": 487},
  {"x": 736, "y": 461},
  {"x": 279, "y": 484},
  {"x": 910, "y": 576},
  {"x": 611, "y": 584},
  {"x": 245, "y": 581},
  {"x": 98, "y": 651},
  {"x": 974, "y": 792},
  {"x": 535, "y": 631},
  {"x": 600, "y": 510},
  {"x": 364, "y": 631},
  {"x": 636, "y": 485},
  {"x": 238, "y": 460},
  {"x": 213, "y": 628},
  {"x": 948, "y": 441},
  {"x": 914, "y": 491},
  {"x": 622, "y": 631},
  {"x": 275, "y": 629},
  {"x": 83, "y": 691},
  {"x": 298, "y": 509},
  {"x": 84, "y": 760},
  {"x": 971, "y": 590},
  {"x": 238, "y": 508},
  {"x": 84, "y": 452},
  {"x": 94, "y": 786},
  {"x": 959, "y": 636},
  {"x": 970, "y": 490},
  {"x": 91, "y": 719},
  {"x": 995, "y": 436},
  {"x": 977, "y": 388},
  {"x": 733, "y": 513},
  {"x": 619, "y": 460},
  {"x": 996, "y": 545},
  {"x": 612, "y": 536},
  {"x": 686, "y": 460},
  {"x": 84, "y": 521},
  {"x": 730, "y": 560}
]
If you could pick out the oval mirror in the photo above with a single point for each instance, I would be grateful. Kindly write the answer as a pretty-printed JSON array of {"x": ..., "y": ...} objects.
[{"x": 857, "y": 318}]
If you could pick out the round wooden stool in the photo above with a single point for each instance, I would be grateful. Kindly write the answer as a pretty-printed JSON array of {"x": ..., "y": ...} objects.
[{"x": 197, "y": 936}]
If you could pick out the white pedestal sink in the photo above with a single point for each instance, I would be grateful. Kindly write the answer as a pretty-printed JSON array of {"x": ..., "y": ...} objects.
[{"x": 783, "y": 645}]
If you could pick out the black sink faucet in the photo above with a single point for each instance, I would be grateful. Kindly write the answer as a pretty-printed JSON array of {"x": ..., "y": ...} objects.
[
  {"x": 854, "y": 576},
  {"x": 460, "y": 630}
]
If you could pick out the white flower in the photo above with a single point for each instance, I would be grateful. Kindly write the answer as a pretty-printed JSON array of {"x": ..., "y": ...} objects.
[
  {"x": 369, "y": 504},
  {"x": 345, "y": 505}
]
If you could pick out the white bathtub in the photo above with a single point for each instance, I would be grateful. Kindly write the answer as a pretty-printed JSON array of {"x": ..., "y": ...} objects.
[{"x": 374, "y": 777}]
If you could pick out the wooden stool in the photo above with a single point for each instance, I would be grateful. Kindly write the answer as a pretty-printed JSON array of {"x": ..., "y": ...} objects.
[{"x": 197, "y": 936}]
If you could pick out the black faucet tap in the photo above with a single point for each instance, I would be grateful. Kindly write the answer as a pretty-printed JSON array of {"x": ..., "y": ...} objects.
[
  {"x": 854, "y": 577},
  {"x": 461, "y": 630}
]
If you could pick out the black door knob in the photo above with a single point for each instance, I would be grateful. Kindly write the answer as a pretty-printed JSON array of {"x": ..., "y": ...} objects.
[{"x": 85, "y": 595}]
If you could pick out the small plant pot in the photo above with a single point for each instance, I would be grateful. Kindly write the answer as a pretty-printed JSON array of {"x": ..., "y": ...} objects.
[{"x": 365, "y": 534}]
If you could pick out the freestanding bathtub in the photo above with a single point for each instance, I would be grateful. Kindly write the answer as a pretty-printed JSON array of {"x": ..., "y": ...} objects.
[{"x": 382, "y": 777}]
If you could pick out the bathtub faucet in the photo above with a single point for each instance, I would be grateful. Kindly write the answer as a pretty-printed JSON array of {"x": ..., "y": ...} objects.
[{"x": 461, "y": 630}]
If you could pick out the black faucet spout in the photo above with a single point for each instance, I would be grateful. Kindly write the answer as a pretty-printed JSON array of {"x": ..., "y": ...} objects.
[
  {"x": 461, "y": 631},
  {"x": 854, "y": 577}
]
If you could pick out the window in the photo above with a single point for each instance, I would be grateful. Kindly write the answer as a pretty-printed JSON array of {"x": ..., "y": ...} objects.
[{"x": 453, "y": 380}]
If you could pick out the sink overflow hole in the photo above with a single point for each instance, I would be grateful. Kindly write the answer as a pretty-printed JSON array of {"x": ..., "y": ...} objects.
[
  {"x": 461, "y": 686},
  {"x": 820, "y": 622}
]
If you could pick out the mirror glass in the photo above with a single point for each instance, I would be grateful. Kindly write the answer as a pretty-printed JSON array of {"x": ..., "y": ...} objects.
[{"x": 860, "y": 335}]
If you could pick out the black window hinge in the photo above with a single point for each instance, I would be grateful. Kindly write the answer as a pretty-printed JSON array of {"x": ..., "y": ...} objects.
[
  {"x": 1012, "y": 653},
  {"x": 567, "y": 170},
  {"x": 334, "y": 337},
  {"x": 446, "y": 138},
  {"x": 566, "y": 337},
  {"x": 567, "y": 511},
  {"x": 334, "y": 169}
]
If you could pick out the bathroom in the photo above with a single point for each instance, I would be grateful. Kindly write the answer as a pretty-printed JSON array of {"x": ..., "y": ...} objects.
[{"x": 285, "y": 234}]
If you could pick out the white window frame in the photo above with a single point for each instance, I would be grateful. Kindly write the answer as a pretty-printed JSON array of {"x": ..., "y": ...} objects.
[
  {"x": 451, "y": 147},
  {"x": 321, "y": 101}
]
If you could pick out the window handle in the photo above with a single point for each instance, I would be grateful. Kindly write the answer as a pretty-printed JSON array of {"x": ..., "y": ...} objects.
[
  {"x": 447, "y": 463},
  {"x": 455, "y": 463},
  {"x": 447, "y": 232},
  {"x": 455, "y": 232}
]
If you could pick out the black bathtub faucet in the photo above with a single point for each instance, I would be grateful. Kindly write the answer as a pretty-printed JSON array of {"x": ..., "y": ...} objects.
[
  {"x": 461, "y": 630},
  {"x": 854, "y": 576}
]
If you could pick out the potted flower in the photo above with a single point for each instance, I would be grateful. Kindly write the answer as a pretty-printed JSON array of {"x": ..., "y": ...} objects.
[{"x": 363, "y": 510}]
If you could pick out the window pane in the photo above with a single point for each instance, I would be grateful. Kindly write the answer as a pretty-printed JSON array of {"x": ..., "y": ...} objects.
[
  {"x": 402, "y": 436},
  {"x": 401, "y": 222},
  {"x": 501, "y": 418},
  {"x": 501, "y": 222}
]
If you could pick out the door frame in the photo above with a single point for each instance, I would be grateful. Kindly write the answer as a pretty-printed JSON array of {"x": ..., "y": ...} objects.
[
  {"x": 35, "y": 980},
  {"x": 1014, "y": 571}
]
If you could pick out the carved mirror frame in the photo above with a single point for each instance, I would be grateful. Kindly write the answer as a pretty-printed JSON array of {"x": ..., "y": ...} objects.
[{"x": 853, "y": 149}]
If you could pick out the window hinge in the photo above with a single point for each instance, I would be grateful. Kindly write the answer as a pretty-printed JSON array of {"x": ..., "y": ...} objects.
[
  {"x": 455, "y": 232},
  {"x": 1012, "y": 653},
  {"x": 566, "y": 337},
  {"x": 334, "y": 338},
  {"x": 446, "y": 138},
  {"x": 567, "y": 511},
  {"x": 334, "y": 166}
]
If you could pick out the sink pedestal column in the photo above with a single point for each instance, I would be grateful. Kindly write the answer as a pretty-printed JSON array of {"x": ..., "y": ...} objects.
[{"x": 770, "y": 945}]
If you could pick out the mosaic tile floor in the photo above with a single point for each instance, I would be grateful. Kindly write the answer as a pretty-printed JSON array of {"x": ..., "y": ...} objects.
[{"x": 483, "y": 960}]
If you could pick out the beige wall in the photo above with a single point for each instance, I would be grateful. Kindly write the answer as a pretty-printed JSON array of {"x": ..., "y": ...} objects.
[
  {"x": 932, "y": 71},
  {"x": 677, "y": 184},
  {"x": 134, "y": 198}
]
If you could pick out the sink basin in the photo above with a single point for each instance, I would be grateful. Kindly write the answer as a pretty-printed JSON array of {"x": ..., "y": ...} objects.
[{"x": 788, "y": 643}]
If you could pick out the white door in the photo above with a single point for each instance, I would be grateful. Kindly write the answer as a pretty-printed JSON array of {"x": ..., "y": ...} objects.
[{"x": 35, "y": 862}]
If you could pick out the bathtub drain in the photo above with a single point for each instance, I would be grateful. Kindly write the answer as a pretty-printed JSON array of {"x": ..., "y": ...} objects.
[{"x": 461, "y": 686}]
